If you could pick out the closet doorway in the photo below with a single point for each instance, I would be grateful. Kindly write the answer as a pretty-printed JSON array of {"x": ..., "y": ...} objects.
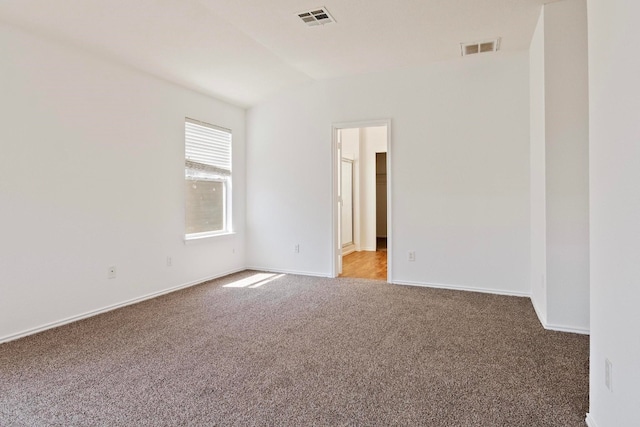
[{"x": 362, "y": 229}]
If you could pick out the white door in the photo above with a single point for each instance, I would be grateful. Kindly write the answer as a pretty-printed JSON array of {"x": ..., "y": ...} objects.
[
  {"x": 339, "y": 176},
  {"x": 347, "y": 238}
]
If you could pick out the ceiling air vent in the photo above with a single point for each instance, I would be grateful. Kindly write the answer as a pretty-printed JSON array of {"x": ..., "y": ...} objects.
[
  {"x": 480, "y": 47},
  {"x": 317, "y": 16}
]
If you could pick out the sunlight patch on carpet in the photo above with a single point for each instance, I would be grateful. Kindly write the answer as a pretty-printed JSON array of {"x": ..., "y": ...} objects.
[{"x": 254, "y": 281}]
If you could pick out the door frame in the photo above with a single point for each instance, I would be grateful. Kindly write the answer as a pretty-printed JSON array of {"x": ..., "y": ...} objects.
[{"x": 336, "y": 244}]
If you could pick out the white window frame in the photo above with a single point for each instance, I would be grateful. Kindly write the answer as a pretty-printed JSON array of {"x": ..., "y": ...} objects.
[{"x": 212, "y": 176}]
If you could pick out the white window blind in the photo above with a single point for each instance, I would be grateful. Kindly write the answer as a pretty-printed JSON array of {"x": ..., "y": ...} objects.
[
  {"x": 207, "y": 147},
  {"x": 207, "y": 179}
]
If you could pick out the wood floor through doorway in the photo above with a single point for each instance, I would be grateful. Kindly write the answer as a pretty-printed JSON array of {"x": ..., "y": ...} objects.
[{"x": 365, "y": 265}]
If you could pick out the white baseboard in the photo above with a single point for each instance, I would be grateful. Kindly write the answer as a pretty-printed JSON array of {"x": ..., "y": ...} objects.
[
  {"x": 463, "y": 288},
  {"x": 92, "y": 313},
  {"x": 543, "y": 322},
  {"x": 554, "y": 327},
  {"x": 285, "y": 271},
  {"x": 542, "y": 319},
  {"x": 563, "y": 328},
  {"x": 590, "y": 421},
  {"x": 348, "y": 250},
  {"x": 51, "y": 325}
]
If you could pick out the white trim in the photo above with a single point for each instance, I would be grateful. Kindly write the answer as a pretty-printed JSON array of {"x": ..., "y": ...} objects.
[
  {"x": 558, "y": 328},
  {"x": 361, "y": 124},
  {"x": 207, "y": 235},
  {"x": 389, "y": 206},
  {"x": 92, "y": 313},
  {"x": 283, "y": 271},
  {"x": 335, "y": 248},
  {"x": 349, "y": 249},
  {"x": 545, "y": 325},
  {"x": 462, "y": 288},
  {"x": 591, "y": 422},
  {"x": 541, "y": 319},
  {"x": 336, "y": 146},
  {"x": 209, "y": 125},
  {"x": 570, "y": 329}
]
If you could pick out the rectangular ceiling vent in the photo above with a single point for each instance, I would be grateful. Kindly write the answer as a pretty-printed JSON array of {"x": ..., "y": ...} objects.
[
  {"x": 480, "y": 47},
  {"x": 317, "y": 16}
]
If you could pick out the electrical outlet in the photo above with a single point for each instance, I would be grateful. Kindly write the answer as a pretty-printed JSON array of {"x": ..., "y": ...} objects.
[
  {"x": 412, "y": 256},
  {"x": 296, "y": 248},
  {"x": 169, "y": 261},
  {"x": 111, "y": 272},
  {"x": 608, "y": 373}
]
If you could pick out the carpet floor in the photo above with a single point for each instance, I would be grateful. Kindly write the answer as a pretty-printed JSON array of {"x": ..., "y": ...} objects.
[{"x": 300, "y": 351}]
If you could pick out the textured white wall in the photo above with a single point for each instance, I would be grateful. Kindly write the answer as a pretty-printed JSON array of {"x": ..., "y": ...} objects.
[
  {"x": 560, "y": 166},
  {"x": 567, "y": 164},
  {"x": 460, "y": 171},
  {"x": 92, "y": 175},
  {"x": 537, "y": 171},
  {"x": 615, "y": 210}
]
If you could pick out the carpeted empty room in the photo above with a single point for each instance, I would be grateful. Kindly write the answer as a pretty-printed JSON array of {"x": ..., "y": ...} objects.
[{"x": 296, "y": 350}]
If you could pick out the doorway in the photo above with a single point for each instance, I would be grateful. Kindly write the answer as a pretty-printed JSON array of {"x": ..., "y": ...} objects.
[{"x": 362, "y": 226}]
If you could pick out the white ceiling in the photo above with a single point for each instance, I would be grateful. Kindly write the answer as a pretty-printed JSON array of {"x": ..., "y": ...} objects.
[{"x": 242, "y": 51}]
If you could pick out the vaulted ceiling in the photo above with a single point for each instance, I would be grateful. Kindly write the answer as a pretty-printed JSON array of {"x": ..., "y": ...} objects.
[{"x": 242, "y": 51}]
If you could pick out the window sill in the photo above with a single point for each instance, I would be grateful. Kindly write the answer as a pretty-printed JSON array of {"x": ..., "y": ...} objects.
[{"x": 188, "y": 239}]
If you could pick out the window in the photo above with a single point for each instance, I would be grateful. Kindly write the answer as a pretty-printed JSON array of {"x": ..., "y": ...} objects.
[{"x": 207, "y": 175}]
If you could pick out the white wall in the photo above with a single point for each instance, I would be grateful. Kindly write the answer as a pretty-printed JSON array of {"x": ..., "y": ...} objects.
[
  {"x": 567, "y": 164},
  {"x": 615, "y": 210},
  {"x": 92, "y": 175},
  {"x": 559, "y": 167},
  {"x": 460, "y": 171},
  {"x": 537, "y": 170}
]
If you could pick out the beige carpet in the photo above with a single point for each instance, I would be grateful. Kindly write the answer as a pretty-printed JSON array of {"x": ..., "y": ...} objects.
[{"x": 300, "y": 351}]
